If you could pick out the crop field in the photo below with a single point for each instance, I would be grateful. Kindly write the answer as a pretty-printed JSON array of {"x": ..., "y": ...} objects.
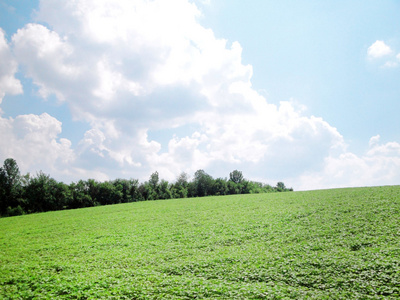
[{"x": 328, "y": 244}]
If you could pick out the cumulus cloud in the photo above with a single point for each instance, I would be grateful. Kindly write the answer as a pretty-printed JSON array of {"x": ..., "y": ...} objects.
[
  {"x": 390, "y": 64},
  {"x": 160, "y": 92},
  {"x": 8, "y": 67},
  {"x": 132, "y": 67},
  {"x": 374, "y": 140},
  {"x": 33, "y": 140},
  {"x": 45, "y": 58},
  {"x": 378, "y": 166},
  {"x": 379, "y": 49}
]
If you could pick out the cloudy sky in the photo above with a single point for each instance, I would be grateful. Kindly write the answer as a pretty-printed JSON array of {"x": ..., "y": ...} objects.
[{"x": 305, "y": 92}]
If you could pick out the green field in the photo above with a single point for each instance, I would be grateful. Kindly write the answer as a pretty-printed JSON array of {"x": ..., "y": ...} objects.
[{"x": 328, "y": 244}]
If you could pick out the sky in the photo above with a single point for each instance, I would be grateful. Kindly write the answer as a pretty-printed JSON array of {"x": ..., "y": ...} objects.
[{"x": 304, "y": 92}]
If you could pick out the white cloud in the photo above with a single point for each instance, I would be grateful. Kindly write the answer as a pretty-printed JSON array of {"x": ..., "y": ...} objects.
[
  {"x": 378, "y": 166},
  {"x": 130, "y": 67},
  {"x": 45, "y": 58},
  {"x": 8, "y": 68},
  {"x": 94, "y": 140},
  {"x": 393, "y": 63},
  {"x": 374, "y": 140},
  {"x": 33, "y": 141},
  {"x": 135, "y": 68},
  {"x": 379, "y": 49},
  {"x": 390, "y": 64}
]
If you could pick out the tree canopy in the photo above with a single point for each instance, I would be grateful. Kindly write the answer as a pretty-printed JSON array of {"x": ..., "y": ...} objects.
[{"x": 40, "y": 193}]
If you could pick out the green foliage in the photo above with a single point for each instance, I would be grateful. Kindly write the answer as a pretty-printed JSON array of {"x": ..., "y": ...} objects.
[
  {"x": 203, "y": 183},
  {"x": 26, "y": 194},
  {"x": 11, "y": 170},
  {"x": 220, "y": 187},
  {"x": 109, "y": 193},
  {"x": 280, "y": 186},
  {"x": 183, "y": 180},
  {"x": 164, "y": 190},
  {"x": 153, "y": 181},
  {"x": 233, "y": 188},
  {"x": 327, "y": 244},
  {"x": 236, "y": 176},
  {"x": 16, "y": 211},
  {"x": 10, "y": 187},
  {"x": 82, "y": 193},
  {"x": 41, "y": 194}
]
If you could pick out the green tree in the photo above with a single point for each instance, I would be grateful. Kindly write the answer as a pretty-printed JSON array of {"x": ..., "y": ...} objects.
[
  {"x": 153, "y": 181},
  {"x": 203, "y": 183},
  {"x": 164, "y": 191},
  {"x": 10, "y": 186},
  {"x": 134, "y": 190},
  {"x": 266, "y": 188},
  {"x": 236, "y": 176},
  {"x": 41, "y": 193},
  {"x": 233, "y": 188},
  {"x": 192, "y": 189},
  {"x": 178, "y": 191},
  {"x": 109, "y": 194},
  {"x": 145, "y": 192},
  {"x": 4, "y": 200},
  {"x": 180, "y": 188},
  {"x": 280, "y": 187},
  {"x": 124, "y": 186},
  {"x": 81, "y": 194},
  {"x": 183, "y": 179},
  {"x": 247, "y": 187},
  {"x": 220, "y": 187},
  {"x": 63, "y": 195},
  {"x": 91, "y": 188}
]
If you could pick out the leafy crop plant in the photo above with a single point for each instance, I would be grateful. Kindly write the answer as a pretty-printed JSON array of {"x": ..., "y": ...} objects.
[{"x": 327, "y": 244}]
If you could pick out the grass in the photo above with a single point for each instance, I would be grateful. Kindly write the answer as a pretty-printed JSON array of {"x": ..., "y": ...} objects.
[{"x": 328, "y": 244}]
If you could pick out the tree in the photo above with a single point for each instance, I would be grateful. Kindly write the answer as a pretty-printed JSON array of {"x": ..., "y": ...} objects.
[
  {"x": 63, "y": 195},
  {"x": 178, "y": 191},
  {"x": 180, "y": 188},
  {"x": 154, "y": 180},
  {"x": 91, "y": 188},
  {"x": 109, "y": 194},
  {"x": 134, "y": 190},
  {"x": 145, "y": 192},
  {"x": 183, "y": 179},
  {"x": 203, "y": 183},
  {"x": 10, "y": 185},
  {"x": 236, "y": 176},
  {"x": 233, "y": 188},
  {"x": 252, "y": 187},
  {"x": 4, "y": 201},
  {"x": 220, "y": 187},
  {"x": 192, "y": 189},
  {"x": 280, "y": 187},
  {"x": 40, "y": 194},
  {"x": 26, "y": 194},
  {"x": 164, "y": 191},
  {"x": 80, "y": 195},
  {"x": 125, "y": 187}
]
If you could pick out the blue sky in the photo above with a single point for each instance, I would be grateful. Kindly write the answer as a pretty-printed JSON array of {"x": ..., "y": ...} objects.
[
  {"x": 316, "y": 53},
  {"x": 304, "y": 92}
]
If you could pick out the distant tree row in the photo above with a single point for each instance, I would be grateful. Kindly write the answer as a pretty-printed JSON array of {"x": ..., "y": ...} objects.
[{"x": 24, "y": 194}]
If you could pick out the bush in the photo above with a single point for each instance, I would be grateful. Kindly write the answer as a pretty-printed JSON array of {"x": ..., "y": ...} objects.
[{"x": 15, "y": 211}]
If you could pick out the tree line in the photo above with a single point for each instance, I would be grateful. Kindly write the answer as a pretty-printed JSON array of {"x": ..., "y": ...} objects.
[{"x": 24, "y": 194}]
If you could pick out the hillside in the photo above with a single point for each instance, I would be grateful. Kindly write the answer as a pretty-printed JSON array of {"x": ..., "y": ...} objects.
[{"x": 340, "y": 243}]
